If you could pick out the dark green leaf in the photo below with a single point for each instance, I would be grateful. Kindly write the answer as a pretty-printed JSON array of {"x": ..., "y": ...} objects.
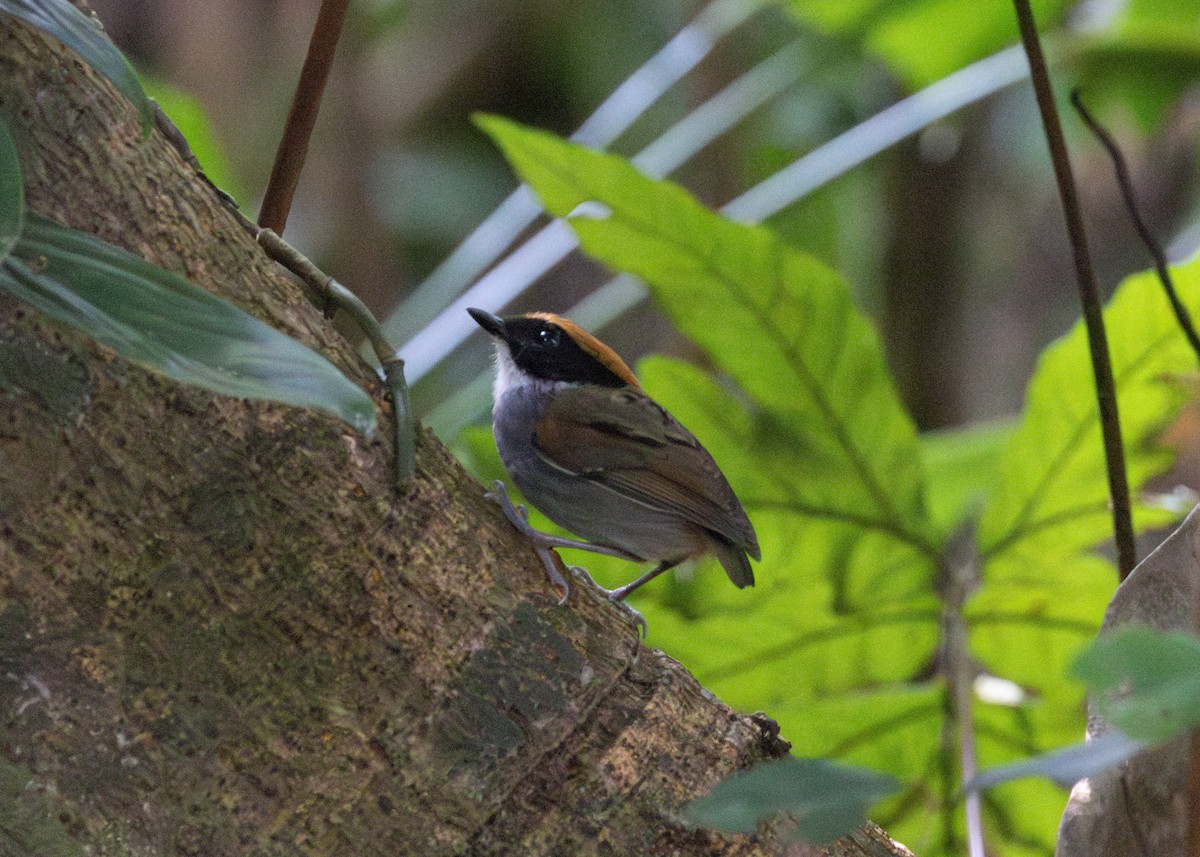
[
  {"x": 825, "y": 799},
  {"x": 1147, "y": 682},
  {"x": 12, "y": 192},
  {"x": 1065, "y": 766},
  {"x": 58, "y": 18},
  {"x": 160, "y": 320}
]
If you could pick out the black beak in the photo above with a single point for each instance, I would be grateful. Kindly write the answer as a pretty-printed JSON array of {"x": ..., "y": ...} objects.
[{"x": 492, "y": 324}]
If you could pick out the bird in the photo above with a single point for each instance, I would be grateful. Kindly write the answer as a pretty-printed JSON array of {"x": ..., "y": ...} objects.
[{"x": 588, "y": 447}]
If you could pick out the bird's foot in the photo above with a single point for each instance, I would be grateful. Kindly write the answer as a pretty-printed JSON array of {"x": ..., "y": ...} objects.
[{"x": 519, "y": 518}]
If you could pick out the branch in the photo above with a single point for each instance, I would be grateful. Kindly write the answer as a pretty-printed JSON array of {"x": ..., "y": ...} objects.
[
  {"x": 1126, "y": 185},
  {"x": 1093, "y": 314},
  {"x": 302, "y": 117},
  {"x": 335, "y": 296}
]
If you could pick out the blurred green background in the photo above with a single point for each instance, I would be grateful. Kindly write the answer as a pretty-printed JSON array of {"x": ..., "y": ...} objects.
[{"x": 952, "y": 240}]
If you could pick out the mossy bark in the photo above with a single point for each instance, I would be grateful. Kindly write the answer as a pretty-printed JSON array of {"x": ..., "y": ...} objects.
[{"x": 223, "y": 632}]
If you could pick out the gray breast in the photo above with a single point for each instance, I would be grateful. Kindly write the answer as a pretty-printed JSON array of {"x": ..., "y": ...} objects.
[{"x": 592, "y": 511}]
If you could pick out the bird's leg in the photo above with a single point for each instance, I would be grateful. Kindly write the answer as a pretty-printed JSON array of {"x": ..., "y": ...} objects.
[
  {"x": 517, "y": 517},
  {"x": 520, "y": 520},
  {"x": 617, "y": 596},
  {"x": 620, "y": 592},
  {"x": 544, "y": 544}
]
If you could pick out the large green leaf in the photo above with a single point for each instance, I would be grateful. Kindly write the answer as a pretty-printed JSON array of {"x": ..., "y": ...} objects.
[
  {"x": 823, "y": 456},
  {"x": 1041, "y": 591},
  {"x": 779, "y": 322},
  {"x": 160, "y": 320},
  {"x": 854, "y": 512},
  {"x": 58, "y": 18},
  {"x": 12, "y": 193}
]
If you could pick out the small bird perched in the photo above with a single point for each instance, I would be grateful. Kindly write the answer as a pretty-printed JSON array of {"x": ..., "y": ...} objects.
[{"x": 602, "y": 459}]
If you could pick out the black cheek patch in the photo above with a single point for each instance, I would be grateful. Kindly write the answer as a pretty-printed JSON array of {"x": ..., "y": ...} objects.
[{"x": 558, "y": 359}]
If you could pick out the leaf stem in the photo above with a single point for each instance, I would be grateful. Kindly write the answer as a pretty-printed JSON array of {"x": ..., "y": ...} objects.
[
  {"x": 1093, "y": 315},
  {"x": 302, "y": 117},
  {"x": 960, "y": 573},
  {"x": 1156, "y": 252}
]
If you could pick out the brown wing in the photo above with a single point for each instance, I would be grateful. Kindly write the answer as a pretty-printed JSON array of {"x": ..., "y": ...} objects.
[{"x": 622, "y": 439}]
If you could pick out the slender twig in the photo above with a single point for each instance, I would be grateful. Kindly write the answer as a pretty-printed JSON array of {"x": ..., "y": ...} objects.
[
  {"x": 960, "y": 576},
  {"x": 1126, "y": 184},
  {"x": 302, "y": 117},
  {"x": 1089, "y": 297},
  {"x": 1193, "y": 786}
]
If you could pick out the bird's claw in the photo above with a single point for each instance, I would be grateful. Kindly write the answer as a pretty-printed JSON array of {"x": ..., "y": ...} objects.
[
  {"x": 516, "y": 515},
  {"x": 636, "y": 615}
]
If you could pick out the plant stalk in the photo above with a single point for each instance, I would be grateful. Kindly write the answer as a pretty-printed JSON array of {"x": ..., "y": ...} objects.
[
  {"x": 1089, "y": 297},
  {"x": 302, "y": 117}
]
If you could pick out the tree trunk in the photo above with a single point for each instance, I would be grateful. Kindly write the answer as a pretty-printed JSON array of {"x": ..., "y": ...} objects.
[{"x": 221, "y": 630}]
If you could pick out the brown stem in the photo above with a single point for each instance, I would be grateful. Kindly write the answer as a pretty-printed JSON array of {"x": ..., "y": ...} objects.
[
  {"x": 1193, "y": 785},
  {"x": 1126, "y": 184},
  {"x": 302, "y": 117},
  {"x": 1093, "y": 315}
]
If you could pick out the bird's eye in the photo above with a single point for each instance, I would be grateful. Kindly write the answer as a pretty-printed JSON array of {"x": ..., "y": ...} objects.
[{"x": 548, "y": 336}]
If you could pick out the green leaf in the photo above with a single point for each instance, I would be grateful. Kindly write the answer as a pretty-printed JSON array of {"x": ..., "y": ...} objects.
[
  {"x": 12, "y": 193},
  {"x": 787, "y": 330},
  {"x": 825, "y": 799},
  {"x": 911, "y": 35},
  {"x": 58, "y": 18},
  {"x": 813, "y": 439},
  {"x": 1065, "y": 766},
  {"x": 1147, "y": 682},
  {"x": 1052, "y": 498},
  {"x": 1054, "y": 610},
  {"x": 961, "y": 471},
  {"x": 163, "y": 322}
]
